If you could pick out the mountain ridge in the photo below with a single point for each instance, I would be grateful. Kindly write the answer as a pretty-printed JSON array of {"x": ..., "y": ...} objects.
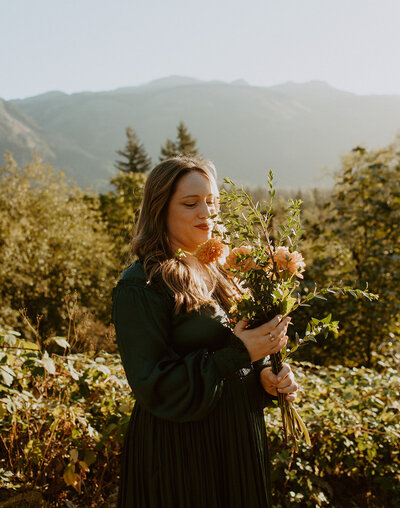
[{"x": 296, "y": 129}]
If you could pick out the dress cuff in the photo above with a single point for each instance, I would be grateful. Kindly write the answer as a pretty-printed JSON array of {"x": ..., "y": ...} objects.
[
  {"x": 269, "y": 399},
  {"x": 232, "y": 358},
  {"x": 258, "y": 365}
]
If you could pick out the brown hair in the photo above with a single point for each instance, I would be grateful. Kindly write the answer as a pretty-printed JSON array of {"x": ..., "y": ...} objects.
[{"x": 192, "y": 283}]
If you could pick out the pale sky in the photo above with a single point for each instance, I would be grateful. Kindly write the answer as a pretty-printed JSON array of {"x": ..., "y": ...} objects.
[{"x": 78, "y": 45}]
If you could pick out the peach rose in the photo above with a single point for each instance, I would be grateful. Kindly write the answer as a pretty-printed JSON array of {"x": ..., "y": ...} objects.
[
  {"x": 243, "y": 265},
  {"x": 291, "y": 261}
]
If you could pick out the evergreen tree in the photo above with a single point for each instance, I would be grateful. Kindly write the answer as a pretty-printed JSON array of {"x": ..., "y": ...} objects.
[
  {"x": 168, "y": 150},
  {"x": 184, "y": 144},
  {"x": 136, "y": 158},
  {"x": 120, "y": 210}
]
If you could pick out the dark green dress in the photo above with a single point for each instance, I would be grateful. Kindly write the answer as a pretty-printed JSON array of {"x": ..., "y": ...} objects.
[{"x": 196, "y": 436}]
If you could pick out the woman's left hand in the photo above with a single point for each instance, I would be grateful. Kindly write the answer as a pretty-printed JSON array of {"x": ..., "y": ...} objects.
[{"x": 283, "y": 382}]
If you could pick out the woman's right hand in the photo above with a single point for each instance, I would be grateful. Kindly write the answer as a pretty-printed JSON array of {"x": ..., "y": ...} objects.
[{"x": 264, "y": 340}]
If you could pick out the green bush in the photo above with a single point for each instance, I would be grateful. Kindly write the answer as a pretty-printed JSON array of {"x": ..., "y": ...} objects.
[
  {"x": 352, "y": 415},
  {"x": 357, "y": 241},
  {"x": 53, "y": 242},
  {"x": 62, "y": 419},
  {"x": 63, "y": 416}
]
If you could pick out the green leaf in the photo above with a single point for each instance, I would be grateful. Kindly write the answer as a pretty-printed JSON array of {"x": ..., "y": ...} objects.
[
  {"x": 60, "y": 341},
  {"x": 7, "y": 374},
  {"x": 287, "y": 304},
  {"x": 327, "y": 319},
  {"x": 69, "y": 475},
  {"x": 74, "y": 454},
  {"x": 90, "y": 457},
  {"x": 48, "y": 363}
]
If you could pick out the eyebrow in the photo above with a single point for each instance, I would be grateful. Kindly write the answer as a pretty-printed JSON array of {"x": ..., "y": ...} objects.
[{"x": 195, "y": 196}]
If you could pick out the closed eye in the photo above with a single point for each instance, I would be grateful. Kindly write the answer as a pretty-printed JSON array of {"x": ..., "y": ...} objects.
[{"x": 192, "y": 205}]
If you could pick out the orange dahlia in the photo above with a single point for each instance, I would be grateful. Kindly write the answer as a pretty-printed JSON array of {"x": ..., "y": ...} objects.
[{"x": 210, "y": 251}]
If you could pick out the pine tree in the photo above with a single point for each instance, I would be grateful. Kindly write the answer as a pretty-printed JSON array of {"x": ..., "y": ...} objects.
[
  {"x": 136, "y": 158},
  {"x": 168, "y": 150},
  {"x": 184, "y": 144}
]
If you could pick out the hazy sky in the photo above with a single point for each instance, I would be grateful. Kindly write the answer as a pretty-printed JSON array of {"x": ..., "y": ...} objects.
[{"x": 77, "y": 45}]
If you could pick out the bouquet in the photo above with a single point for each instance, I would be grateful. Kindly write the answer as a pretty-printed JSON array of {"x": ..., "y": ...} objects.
[{"x": 267, "y": 270}]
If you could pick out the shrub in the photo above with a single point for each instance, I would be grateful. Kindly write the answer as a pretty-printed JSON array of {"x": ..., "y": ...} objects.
[
  {"x": 352, "y": 415},
  {"x": 357, "y": 241},
  {"x": 63, "y": 416},
  {"x": 52, "y": 242}
]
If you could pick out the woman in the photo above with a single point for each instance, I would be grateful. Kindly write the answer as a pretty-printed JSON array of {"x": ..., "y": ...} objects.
[{"x": 196, "y": 437}]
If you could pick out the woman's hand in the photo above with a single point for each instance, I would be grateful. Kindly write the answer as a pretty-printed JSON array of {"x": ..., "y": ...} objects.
[
  {"x": 284, "y": 382},
  {"x": 264, "y": 340}
]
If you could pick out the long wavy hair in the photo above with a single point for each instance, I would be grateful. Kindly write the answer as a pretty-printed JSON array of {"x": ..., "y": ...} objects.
[{"x": 193, "y": 284}]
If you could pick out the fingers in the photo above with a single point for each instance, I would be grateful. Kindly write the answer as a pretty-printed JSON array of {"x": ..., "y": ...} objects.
[
  {"x": 282, "y": 326},
  {"x": 283, "y": 373},
  {"x": 269, "y": 376},
  {"x": 279, "y": 345},
  {"x": 275, "y": 327},
  {"x": 275, "y": 321},
  {"x": 258, "y": 342},
  {"x": 290, "y": 387},
  {"x": 241, "y": 325},
  {"x": 270, "y": 325},
  {"x": 274, "y": 330},
  {"x": 286, "y": 385},
  {"x": 268, "y": 381}
]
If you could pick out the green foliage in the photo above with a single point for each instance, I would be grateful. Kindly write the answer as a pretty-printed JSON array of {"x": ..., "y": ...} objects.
[
  {"x": 120, "y": 207},
  {"x": 267, "y": 273},
  {"x": 135, "y": 157},
  {"x": 63, "y": 418},
  {"x": 53, "y": 241},
  {"x": 352, "y": 415},
  {"x": 120, "y": 210},
  {"x": 358, "y": 242},
  {"x": 270, "y": 285},
  {"x": 184, "y": 144}
]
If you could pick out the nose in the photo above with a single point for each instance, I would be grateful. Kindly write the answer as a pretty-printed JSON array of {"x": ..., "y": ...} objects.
[{"x": 205, "y": 210}]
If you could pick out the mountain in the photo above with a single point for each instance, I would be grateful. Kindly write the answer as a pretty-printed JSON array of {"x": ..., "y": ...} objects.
[
  {"x": 20, "y": 135},
  {"x": 295, "y": 129}
]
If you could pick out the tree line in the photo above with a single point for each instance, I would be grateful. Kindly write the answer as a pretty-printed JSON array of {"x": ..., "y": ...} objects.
[{"x": 62, "y": 249}]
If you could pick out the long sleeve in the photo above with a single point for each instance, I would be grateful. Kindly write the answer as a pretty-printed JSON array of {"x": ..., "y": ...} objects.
[
  {"x": 259, "y": 365},
  {"x": 170, "y": 386},
  {"x": 267, "y": 399}
]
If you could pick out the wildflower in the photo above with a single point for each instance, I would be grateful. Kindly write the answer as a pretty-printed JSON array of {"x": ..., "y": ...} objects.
[
  {"x": 291, "y": 261},
  {"x": 210, "y": 251}
]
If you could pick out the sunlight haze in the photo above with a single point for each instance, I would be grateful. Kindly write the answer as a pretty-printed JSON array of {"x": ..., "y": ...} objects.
[{"x": 101, "y": 45}]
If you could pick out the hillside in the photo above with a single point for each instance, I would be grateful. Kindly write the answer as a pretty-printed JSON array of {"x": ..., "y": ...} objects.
[
  {"x": 20, "y": 135},
  {"x": 295, "y": 129}
]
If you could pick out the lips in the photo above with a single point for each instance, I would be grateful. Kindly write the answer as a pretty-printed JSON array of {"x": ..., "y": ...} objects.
[{"x": 204, "y": 226}]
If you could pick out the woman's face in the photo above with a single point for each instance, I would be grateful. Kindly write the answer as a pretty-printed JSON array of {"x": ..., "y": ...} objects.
[{"x": 188, "y": 222}]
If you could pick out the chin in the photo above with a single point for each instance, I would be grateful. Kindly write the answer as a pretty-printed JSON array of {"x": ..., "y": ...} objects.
[{"x": 206, "y": 235}]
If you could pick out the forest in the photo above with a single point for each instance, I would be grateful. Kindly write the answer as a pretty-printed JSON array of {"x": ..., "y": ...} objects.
[{"x": 64, "y": 399}]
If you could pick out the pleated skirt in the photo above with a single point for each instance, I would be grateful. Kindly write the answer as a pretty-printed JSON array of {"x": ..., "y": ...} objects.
[{"x": 221, "y": 461}]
